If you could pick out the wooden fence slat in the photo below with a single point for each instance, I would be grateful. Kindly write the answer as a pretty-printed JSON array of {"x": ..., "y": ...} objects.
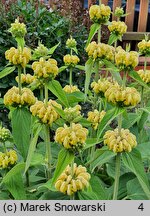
[
  {"x": 143, "y": 15},
  {"x": 116, "y": 3},
  {"x": 91, "y": 2},
  {"x": 130, "y": 6},
  {"x": 105, "y": 2}
]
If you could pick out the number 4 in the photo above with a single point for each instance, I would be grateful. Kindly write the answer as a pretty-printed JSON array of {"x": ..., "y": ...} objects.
[{"x": 141, "y": 207}]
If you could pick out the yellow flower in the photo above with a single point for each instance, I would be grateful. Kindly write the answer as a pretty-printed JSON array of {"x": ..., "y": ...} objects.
[
  {"x": 95, "y": 117},
  {"x": 71, "y": 137},
  {"x": 4, "y": 134},
  {"x": 126, "y": 60},
  {"x": 7, "y": 159},
  {"x": 71, "y": 181},
  {"x": 101, "y": 86},
  {"x": 18, "y": 29},
  {"x": 40, "y": 51},
  {"x": 145, "y": 75},
  {"x": 72, "y": 113},
  {"x": 71, "y": 60},
  {"x": 118, "y": 28},
  {"x": 45, "y": 69},
  {"x": 144, "y": 47},
  {"x": 46, "y": 113},
  {"x": 119, "y": 142},
  {"x": 119, "y": 12},
  {"x": 13, "y": 98},
  {"x": 18, "y": 56},
  {"x": 99, "y": 13},
  {"x": 71, "y": 43},
  {"x": 128, "y": 96},
  {"x": 100, "y": 50},
  {"x": 26, "y": 78},
  {"x": 71, "y": 89}
]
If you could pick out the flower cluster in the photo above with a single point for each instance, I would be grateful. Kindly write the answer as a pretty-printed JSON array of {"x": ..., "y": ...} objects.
[
  {"x": 72, "y": 113},
  {"x": 118, "y": 12},
  {"x": 7, "y": 159},
  {"x": 4, "y": 134},
  {"x": 126, "y": 60},
  {"x": 46, "y": 112},
  {"x": 144, "y": 47},
  {"x": 26, "y": 78},
  {"x": 100, "y": 50},
  {"x": 101, "y": 86},
  {"x": 118, "y": 28},
  {"x": 127, "y": 96},
  {"x": 18, "y": 29},
  {"x": 71, "y": 60},
  {"x": 14, "y": 98},
  {"x": 120, "y": 141},
  {"x": 99, "y": 13},
  {"x": 71, "y": 43},
  {"x": 71, "y": 181},
  {"x": 45, "y": 69},
  {"x": 40, "y": 51},
  {"x": 73, "y": 136},
  {"x": 95, "y": 117},
  {"x": 18, "y": 56},
  {"x": 71, "y": 89},
  {"x": 145, "y": 75}
]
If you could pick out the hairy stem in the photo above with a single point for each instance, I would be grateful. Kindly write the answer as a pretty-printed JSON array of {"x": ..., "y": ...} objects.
[
  {"x": 19, "y": 80},
  {"x": 48, "y": 150},
  {"x": 70, "y": 77},
  {"x": 117, "y": 175}
]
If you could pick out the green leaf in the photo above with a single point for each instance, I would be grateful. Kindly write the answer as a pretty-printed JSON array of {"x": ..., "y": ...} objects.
[
  {"x": 143, "y": 118},
  {"x": 100, "y": 157},
  {"x": 60, "y": 112},
  {"x": 98, "y": 188},
  {"x": 108, "y": 117},
  {"x": 135, "y": 191},
  {"x": 75, "y": 50},
  {"x": 32, "y": 147},
  {"x": 88, "y": 70},
  {"x": 20, "y": 41},
  {"x": 92, "y": 142},
  {"x": 75, "y": 97},
  {"x": 21, "y": 125},
  {"x": 114, "y": 71},
  {"x": 136, "y": 77},
  {"x": 146, "y": 109},
  {"x": 113, "y": 38},
  {"x": 16, "y": 187},
  {"x": 144, "y": 149},
  {"x": 13, "y": 172},
  {"x": 80, "y": 67},
  {"x": 62, "y": 68},
  {"x": 14, "y": 182},
  {"x": 86, "y": 195},
  {"x": 52, "y": 49},
  {"x": 93, "y": 29},
  {"x": 6, "y": 71},
  {"x": 55, "y": 87},
  {"x": 65, "y": 157},
  {"x": 134, "y": 163},
  {"x": 131, "y": 120}
]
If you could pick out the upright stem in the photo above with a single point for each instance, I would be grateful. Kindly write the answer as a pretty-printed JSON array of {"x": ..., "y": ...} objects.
[
  {"x": 99, "y": 2},
  {"x": 119, "y": 123},
  {"x": 145, "y": 64},
  {"x": 99, "y": 35},
  {"x": 117, "y": 175},
  {"x": 70, "y": 77},
  {"x": 72, "y": 174},
  {"x": 19, "y": 80},
  {"x": 41, "y": 94},
  {"x": 48, "y": 150},
  {"x": 46, "y": 95}
]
